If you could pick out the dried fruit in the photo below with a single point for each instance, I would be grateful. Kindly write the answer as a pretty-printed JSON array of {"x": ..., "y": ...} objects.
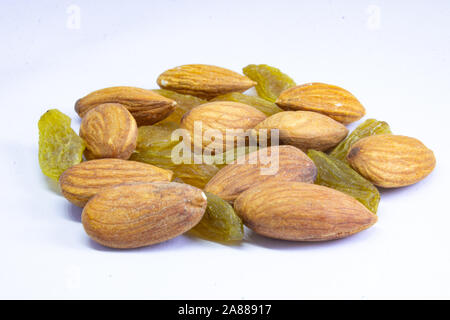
[
  {"x": 155, "y": 147},
  {"x": 196, "y": 175},
  {"x": 332, "y": 101},
  {"x": 137, "y": 215},
  {"x": 230, "y": 156},
  {"x": 220, "y": 222},
  {"x": 305, "y": 130},
  {"x": 266, "y": 107},
  {"x": 299, "y": 211},
  {"x": 391, "y": 161},
  {"x": 224, "y": 117},
  {"x": 109, "y": 131},
  {"x": 367, "y": 128},
  {"x": 81, "y": 182},
  {"x": 59, "y": 146},
  {"x": 276, "y": 163},
  {"x": 270, "y": 81},
  {"x": 185, "y": 102},
  {"x": 337, "y": 174},
  {"x": 162, "y": 159},
  {"x": 146, "y": 106},
  {"x": 157, "y": 137},
  {"x": 203, "y": 81}
]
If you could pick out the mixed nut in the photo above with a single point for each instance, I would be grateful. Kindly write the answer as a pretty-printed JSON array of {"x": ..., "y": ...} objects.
[{"x": 199, "y": 156}]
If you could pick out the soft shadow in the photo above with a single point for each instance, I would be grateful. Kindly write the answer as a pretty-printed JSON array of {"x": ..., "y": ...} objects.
[
  {"x": 177, "y": 243},
  {"x": 276, "y": 244},
  {"x": 390, "y": 192},
  {"x": 52, "y": 185},
  {"x": 229, "y": 244},
  {"x": 74, "y": 212}
]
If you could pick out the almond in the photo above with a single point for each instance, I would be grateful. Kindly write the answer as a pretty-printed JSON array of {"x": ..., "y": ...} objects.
[
  {"x": 137, "y": 215},
  {"x": 244, "y": 173},
  {"x": 305, "y": 130},
  {"x": 222, "y": 116},
  {"x": 146, "y": 106},
  {"x": 297, "y": 211},
  {"x": 332, "y": 101},
  {"x": 391, "y": 161},
  {"x": 203, "y": 81},
  {"x": 109, "y": 131},
  {"x": 82, "y": 181}
]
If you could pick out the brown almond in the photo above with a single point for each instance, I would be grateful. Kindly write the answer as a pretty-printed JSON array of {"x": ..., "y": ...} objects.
[
  {"x": 222, "y": 116},
  {"x": 109, "y": 131},
  {"x": 146, "y": 106},
  {"x": 137, "y": 215},
  {"x": 297, "y": 211},
  {"x": 391, "y": 161},
  {"x": 249, "y": 171},
  {"x": 305, "y": 130},
  {"x": 203, "y": 81},
  {"x": 82, "y": 181},
  {"x": 332, "y": 101}
]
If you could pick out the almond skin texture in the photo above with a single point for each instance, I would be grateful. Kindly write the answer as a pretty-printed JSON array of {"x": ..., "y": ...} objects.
[
  {"x": 203, "y": 81},
  {"x": 332, "y": 101},
  {"x": 244, "y": 173},
  {"x": 305, "y": 130},
  {"x": 391, "y": 161},
  {"x": 82, "y": 181},
  {"x": 299, "y": 211},
  {"x": 109, "y": 131},
  {"x": 138, "y": 215},
  {"x": 221, "y": 116},
  {"x": 146, "y": 106}
]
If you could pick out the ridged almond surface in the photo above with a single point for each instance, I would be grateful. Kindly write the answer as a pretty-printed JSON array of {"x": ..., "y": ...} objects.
[
  {"x": 221, "y": 116},
  {"x": 137, "y": 215},
  {"x": 305, "y": 130},
  {"x": 391, "y": 161},
  {"x": 244, "y": 173},
  {"x": 203, "y": 81},
  {"x": 332, "y": 101},
  {"x": 299, "y": 211},
  {"x": 82, "y": 181},
  {"x": 109, "y": 131},
  {"x": 146, "y": 106}
]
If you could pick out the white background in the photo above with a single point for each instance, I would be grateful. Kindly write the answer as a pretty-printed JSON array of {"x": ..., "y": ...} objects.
[{"x": 393, "y": 55}]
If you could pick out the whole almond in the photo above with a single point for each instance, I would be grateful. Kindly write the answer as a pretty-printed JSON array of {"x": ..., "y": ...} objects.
[
  {"x": 203, "y": 81},
  {"x": 391, "y": 161},
  {"x": 146, "y": 106},
  {"x": 222, "y": 116},
  {"x": 305, "y": 130},
  {"x": 297, "y": 211},
  {"x": 137, "y": 215},
  {"x": 82, "y": 181},
  {"x": 109, "y": 131},
  {"x": 246, "y": 172},
  {"x": 332, "y": 101}
]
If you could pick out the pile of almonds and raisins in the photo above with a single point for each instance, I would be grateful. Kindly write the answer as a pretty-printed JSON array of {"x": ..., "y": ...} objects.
[{"x": 323, "y": 185}]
